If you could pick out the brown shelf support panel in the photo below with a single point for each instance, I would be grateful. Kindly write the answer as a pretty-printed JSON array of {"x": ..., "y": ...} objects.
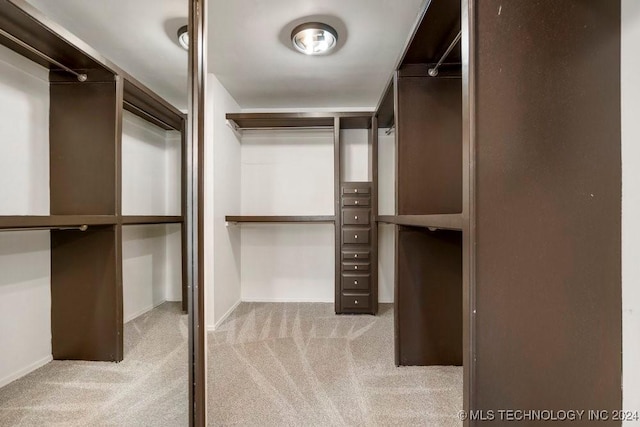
[{"x": 86, "y": 295}]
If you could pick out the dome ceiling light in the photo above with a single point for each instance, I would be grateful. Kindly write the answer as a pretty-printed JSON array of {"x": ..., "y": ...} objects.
[
  {"x": 183, "y": 37},
  {"x": 314, "y": 38}
]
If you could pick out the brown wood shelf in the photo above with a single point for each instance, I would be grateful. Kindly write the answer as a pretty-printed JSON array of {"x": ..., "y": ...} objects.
[
  {"x": 445, "y": 222},
  {"x": 146, "y": 220},
  {"x": 53, "y": 221},
  {"x": 282, "y": 219},
  {"x": 352, "y": 120}
]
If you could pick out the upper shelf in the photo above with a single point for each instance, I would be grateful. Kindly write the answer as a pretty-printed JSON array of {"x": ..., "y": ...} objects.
[
  {"x": 445, "y": 222},
  {"x": 282, "y": 219},
  {"x": 24, "y": 22},
  {"x": 438, "y": 25},
  {"x": 357, "y": 120}
]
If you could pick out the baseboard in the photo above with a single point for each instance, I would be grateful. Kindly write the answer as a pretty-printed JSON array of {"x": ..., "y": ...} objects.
[
  {"x": 224, "y": 317},
  {"x": 24, "y": 371},
  {"x": 143, "y": 311}
]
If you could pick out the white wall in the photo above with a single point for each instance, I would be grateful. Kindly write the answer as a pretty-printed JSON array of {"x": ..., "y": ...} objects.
[
  {"x": 355, "y": 147},
  {"x": 151, "y": 254},
  {"x": 631, "y": 204},
  {"x": 287, "y": 172},
  {"x": 151, "y": 267},
  {"x": 222, "y": 194},
  {"x": 25, "y": 270},
  {"x": 150, "y": 168}
]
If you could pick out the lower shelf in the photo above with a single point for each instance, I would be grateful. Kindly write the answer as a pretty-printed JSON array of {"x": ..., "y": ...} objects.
[
  {"x": 281, "y": 219},
  {"x": 53, "y": 221},
  {"x": 445, "y": 222}
]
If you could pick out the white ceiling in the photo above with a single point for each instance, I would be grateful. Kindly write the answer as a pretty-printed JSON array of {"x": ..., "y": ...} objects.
[
  {"x": 249, "y": 46},
  {"x": 250, "y": 51}
]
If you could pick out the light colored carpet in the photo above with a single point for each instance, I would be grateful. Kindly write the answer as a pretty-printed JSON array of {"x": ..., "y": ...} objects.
[
  {"x": 301, "y": 365},
  {"x": 149, "y": 388}
]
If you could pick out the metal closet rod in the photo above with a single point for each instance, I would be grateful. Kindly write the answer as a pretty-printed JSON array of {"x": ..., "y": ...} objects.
[
  {"x": 390, "y": 130},
  {"x": 80, "y": 76},
  {"x": 433, "y": 72},
  {"x": 78, "y": 228}
]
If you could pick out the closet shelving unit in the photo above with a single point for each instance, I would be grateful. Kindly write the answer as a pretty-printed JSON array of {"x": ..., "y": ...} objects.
[
  {"x": 348, "y": 298},
  {"x": 426, "y": 112},
  {"x": 520, "y": 281},
  {"x": 88, "y": 94}
]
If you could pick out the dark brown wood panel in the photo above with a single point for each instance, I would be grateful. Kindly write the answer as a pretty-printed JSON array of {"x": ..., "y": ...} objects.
[
  {"x": 281, "y": 120},
  {"x": 385, "y": 111},
  {"x": 9, "y": 222},
  {"x": 548, "y": 280},
  {"x": 447, "y": 222},
  {"x": 428, "y": 306},
  {"x": 86, "y": 304},
  {"x": 429, "y": 163},
  {"x": 82, "y": 148},
  {"x": 142, "y": 220},
  {"x": 438, "y": 29}
]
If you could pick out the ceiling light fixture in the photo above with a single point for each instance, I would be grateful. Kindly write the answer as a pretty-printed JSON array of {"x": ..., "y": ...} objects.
[
  {"x": 183, "y": 37},
  {"x": 314, "y": 38}
]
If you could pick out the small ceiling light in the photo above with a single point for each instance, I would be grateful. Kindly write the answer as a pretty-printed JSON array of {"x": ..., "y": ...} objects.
[
  {"x": 183, "y": 37},
  {"x": 314, "y": 38}
]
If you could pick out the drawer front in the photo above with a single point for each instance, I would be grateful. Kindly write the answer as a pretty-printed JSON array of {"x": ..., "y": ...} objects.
[
  {"x": 354, "y": 191},
  {"x": 355, "y": 255},
  {"x": 356, "y": 216},
  {"x": 353, "y": 301},
  {"x": 352, "y": 282},
  {"x": 356, "y": 201},
  {"x": 355, "y": 266},
  {"x": 356, "y": 236}
]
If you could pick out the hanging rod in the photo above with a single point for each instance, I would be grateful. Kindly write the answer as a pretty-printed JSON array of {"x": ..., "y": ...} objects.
[
  {"x": 81, "y": 77},
  {"x": 391, "y": 129},
  {"x": 79, "y": 228},
  {"x": 433, "y": 72}
]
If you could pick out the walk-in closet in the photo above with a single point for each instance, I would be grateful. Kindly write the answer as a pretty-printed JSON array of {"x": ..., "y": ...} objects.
[{"x": 91, "y": 235}]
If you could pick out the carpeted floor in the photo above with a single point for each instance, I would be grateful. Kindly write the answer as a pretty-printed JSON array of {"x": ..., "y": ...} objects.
[
  {"x": 269, "y": 365},
  {"x": 149, "y": 388},
  {"x": 301, "y": 365}
]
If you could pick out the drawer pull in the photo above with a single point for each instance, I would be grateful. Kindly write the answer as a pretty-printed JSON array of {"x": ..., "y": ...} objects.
[
  {"x": 355, "y": 217},
  {"x": 355, "y": 301},
  {"x": 355, "y": 256},
  {"x": 355, "y": 236},
  {"x": 357, "y": 202},
  {"x": 356, "y": 190},
  {"x": 355, "y": 282},
  {"x": 356, "y": 267}
]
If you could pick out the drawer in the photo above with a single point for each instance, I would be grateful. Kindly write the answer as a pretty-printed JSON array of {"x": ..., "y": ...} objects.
[
  {"x": 355, "y": 266},
  {"x": 351, "y": 301},
  {"x": 355, "y": 236},
  {"x": 355, "y": 255},
  {"x": 355, "y": 282},
  {"x": 356, "y": 190},
  {"x": 356, "y": 201},
  {"x": 356, "y": 216}
]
